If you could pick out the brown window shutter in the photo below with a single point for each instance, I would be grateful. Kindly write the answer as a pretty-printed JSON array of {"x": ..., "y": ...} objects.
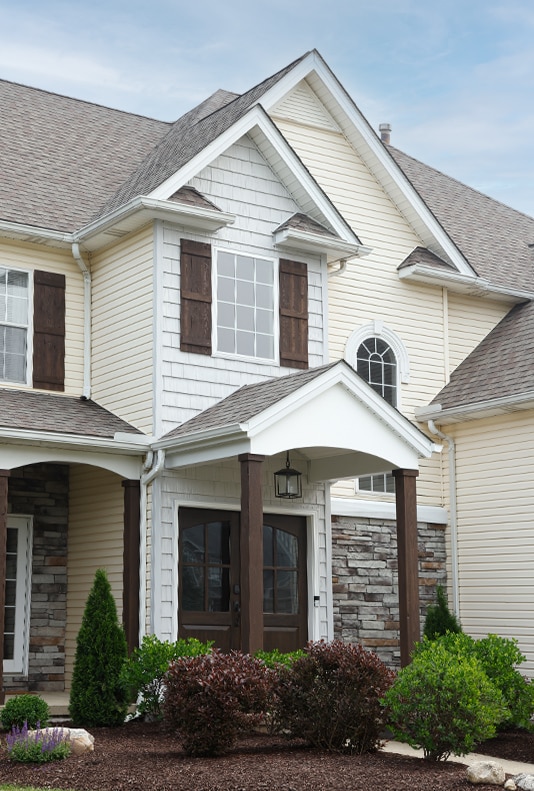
[
  {"x": 293, "y": 314},
  {"x": 195, "y": 299},
  {"x": 48, "y": 331}
]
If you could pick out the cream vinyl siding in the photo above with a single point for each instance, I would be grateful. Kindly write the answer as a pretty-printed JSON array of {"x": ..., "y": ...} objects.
[
  {"x": 32, "y": 257},
  {"x": 122, "y": 343},
  {"x": 96, "y": 507},
  {"x": 470, "y": 320},
  {"x": 494, "y": 460},
  {"x": 370, "y": 288}
]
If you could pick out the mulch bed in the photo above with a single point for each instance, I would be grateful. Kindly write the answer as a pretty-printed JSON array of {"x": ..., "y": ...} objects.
[{"x": 141, "y": 757}]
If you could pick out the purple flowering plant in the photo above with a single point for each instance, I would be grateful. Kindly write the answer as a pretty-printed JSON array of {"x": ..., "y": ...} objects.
[{"x": 38, "y": 746}]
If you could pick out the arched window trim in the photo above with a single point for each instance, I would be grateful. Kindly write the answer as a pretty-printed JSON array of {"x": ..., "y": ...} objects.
[{"x": 377, "y": 329}]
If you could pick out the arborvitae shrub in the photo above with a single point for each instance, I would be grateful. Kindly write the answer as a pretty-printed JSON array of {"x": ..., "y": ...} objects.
[
  {"x": 443, "y": 703},
  {"x": 211, "y": 699},
  {"x": 25, "y": 708},
  {"x": 145, "y": 671},
  {"x": 97, "y": 695},
  {"x": 439, "y": 619},
  {"x": 331, "y": 697}
]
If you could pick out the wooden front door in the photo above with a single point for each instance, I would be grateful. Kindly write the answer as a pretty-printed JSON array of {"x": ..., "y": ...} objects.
[{"x": 209, "y": 574}]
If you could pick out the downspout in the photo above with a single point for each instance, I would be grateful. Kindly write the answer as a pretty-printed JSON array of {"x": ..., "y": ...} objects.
[
  {"x": 76, "y": 254},
  {"x": 151, "y": 469},
  {"x": 342, "y": 267},
  {"x": 453, "y": 515}
]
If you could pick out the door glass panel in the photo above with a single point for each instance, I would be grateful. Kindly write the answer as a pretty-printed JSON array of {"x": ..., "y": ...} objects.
[
  {"x": 287, "y": 592},
  {"x": 218, "y": 590},
  {"x": 193, "y": 545},
  {"x": 268, "y": 590},
  {"x": 268, "y": 554},
  {"x": 193, "y": 588},
  {"x": 286, "y": 549},
  {"x": 219, "y": 542},
  {"x": 11, "y": 593}
]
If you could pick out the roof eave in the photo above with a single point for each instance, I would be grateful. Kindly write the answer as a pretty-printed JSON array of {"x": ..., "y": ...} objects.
[
  {"x": 462, "y": 284},
  {"x": 475, "y": 411},
  {"x": 296, "y": 240}
]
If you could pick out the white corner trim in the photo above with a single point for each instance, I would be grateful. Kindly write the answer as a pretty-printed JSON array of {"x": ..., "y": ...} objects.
[{"x": 375, "y": 509}]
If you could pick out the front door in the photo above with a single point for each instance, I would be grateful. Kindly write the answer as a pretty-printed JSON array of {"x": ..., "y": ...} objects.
[{"x": 209, "y": 574}]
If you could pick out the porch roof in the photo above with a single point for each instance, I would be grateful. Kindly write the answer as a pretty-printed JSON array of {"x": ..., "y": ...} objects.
[{"x": 339, "y": 424}]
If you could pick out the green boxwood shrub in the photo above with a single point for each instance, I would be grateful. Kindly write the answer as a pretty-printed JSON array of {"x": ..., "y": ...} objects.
[
  {"x": 97, "y": 695},
  {"x": 29, "y": 709},
  {"x": 499, "y": 658},
  {"x": 331, "y": 696},
  {"x": 275, "y": 658},
  {"x": 144, "y": 672},
  {"x": 211, "y": 699},
  {"x": 443, "y": 703}
]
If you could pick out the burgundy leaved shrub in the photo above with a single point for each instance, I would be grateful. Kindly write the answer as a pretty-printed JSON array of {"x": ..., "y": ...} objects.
[
  {"x": 331, "y": 697},
  {"x": 211, "y": 699}
]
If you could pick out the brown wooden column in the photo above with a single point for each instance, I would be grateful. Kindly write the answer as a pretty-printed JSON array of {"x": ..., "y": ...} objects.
[
  {"x": 4, "y": 475},
  {"x": 407, "y": 553},
  {"x": 131, "y": 560},
  {"x": 251, "y": 546}
]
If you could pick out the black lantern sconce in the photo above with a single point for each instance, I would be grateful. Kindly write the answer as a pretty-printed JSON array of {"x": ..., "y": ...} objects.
[{"x": 287, "y": 482}]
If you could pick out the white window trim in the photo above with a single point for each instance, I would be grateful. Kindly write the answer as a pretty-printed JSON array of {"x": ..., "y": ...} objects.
[
  {"x": 29, "y": 327},
  {"x": 276, "y": 307},
  {"x": 24, "y": 526}
]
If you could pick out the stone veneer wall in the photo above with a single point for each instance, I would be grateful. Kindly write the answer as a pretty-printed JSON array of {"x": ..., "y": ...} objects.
[
  {"x": 365, "y": 589},
  {"x": 41, "y": 491}
]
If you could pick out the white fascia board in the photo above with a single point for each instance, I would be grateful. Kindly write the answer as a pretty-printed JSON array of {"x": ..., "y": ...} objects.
[
  {"x": 375, "y": 509},
  {"x": 81, "y": 442},
  {"x": 462, "y": 284},
  {"x": 349, "y": 114},
  {"x": 256, "y": 117},
  {"x": 341, "y": 374},
  {"x": 34, "y": 235},
  {"x": 204, "y": 447},
  {"x": 482, "y": 409},
  {"x": 294, "y": 239}
]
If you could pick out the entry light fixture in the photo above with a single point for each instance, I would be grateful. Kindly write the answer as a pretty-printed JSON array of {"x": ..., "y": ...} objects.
[{"x": 287, "y": 482}]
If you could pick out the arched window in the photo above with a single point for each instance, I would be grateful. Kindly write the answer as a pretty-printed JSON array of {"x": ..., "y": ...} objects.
[{"x": 377, "y": 364}]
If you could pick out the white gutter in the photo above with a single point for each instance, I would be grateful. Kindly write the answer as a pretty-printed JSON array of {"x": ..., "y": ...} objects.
[
  {"x": 151, "y": 468},
  {"x": 453, "y": 514},
  {"x": 468, "y": 284},
  {"x": 86, "y": 393},
  {"x": 487, "y": 408}
]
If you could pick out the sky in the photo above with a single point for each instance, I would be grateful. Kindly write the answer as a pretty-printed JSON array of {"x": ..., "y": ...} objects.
[{"x": 454, "y": 78}]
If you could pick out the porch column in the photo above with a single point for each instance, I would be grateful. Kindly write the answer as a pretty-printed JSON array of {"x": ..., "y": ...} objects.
[
  {"x": 251, "y": 541},
  {"x": 131, "y": 560},
  {"x": 408, "y": 564},
  {"x": 4, "y": 475}
]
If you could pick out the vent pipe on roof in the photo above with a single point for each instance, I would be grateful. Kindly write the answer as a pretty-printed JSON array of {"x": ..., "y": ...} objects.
[{"x": 385, "y": 133}]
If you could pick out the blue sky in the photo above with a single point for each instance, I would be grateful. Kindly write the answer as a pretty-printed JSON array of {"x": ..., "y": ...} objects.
[{"x": 454, "y": 78}]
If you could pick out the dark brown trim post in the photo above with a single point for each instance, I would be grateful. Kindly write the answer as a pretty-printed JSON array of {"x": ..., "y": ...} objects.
[
  {"x": 251, "y": 541},
  {"x": 131, "y": 560},
  {"x": 4, "y": 475},
  {"x": 408, "y": 561}
]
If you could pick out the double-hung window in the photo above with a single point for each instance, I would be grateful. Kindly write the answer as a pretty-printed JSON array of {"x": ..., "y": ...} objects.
[
  {"x": 245, "y": 305},
  {"x": 14, "y": 317}
]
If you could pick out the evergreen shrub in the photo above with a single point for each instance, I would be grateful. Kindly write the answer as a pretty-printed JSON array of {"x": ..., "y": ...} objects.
[
  {"x": 443, "y": 703},
  {"x": 211, "y": 699},
  {"x": 439, "y": 619},
  {"x": 97, "y": 695},
  {"x": 331, "y": 696},
  {"x": 145, "y": 671},
  {"x": 275, "y": 658},
  {"x": 29, "y": 709}
]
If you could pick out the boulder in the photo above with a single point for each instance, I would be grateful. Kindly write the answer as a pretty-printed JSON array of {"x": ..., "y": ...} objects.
[
  {"x": 81, "y": 741},
  {"x": 524, "y": 781},
  {"x": 487, "y": 772}
]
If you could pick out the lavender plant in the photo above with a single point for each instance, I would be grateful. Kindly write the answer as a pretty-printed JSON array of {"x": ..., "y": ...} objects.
[{"x": 38, "y": 746}]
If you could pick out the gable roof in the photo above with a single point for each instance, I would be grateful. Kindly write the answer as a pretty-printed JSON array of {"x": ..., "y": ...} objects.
[{"x": 497, "y": 375}]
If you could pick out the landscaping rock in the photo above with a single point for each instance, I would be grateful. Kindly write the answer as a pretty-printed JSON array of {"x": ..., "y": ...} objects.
[
  {"x": 524, "y": 781},
  {"x": 487, "y": 772},
  {"x": 510, "y": 785},
  {"x": 81, "y": 741}
]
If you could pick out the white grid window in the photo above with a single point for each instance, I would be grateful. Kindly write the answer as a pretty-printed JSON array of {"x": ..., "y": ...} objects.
[
  {"x": 13, "y": 325},
  {"x": 245, "y": 305}
]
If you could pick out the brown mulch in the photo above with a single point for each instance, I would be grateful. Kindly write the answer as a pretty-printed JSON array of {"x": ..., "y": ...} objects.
[{"x": 141, "y": 757}]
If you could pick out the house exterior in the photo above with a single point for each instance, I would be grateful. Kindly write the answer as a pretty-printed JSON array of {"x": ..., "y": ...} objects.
[{"x": 189, "y": 308}]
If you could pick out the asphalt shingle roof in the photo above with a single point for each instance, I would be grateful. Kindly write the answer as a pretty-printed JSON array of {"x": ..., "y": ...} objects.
[
  {"x": 34, "y": 411},
  {"x": 493, "y": 237}
]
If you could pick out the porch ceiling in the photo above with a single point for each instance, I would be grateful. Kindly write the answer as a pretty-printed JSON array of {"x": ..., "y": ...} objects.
[{"x": 329, "y": 415}]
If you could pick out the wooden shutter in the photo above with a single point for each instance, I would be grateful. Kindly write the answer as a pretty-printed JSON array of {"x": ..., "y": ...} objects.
[
  {"x": 48, "y": 331},
  {"x": 293, "y": 314},
  {"x": 195, "y": 300}
]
